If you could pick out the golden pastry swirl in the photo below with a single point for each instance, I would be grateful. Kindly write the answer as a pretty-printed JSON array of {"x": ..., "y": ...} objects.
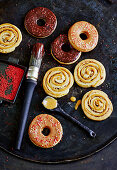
[
  {"x": 57, "y": 81},
  {"x": 96, "y": 105},
  {"x": 10, "y": 37},
  {"x": 89, "y": 72}
]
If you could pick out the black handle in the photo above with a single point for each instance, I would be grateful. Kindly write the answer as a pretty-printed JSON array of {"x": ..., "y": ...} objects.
[
  {"x": 30, "y": 85},
  {"x": 91, "y": 133}
]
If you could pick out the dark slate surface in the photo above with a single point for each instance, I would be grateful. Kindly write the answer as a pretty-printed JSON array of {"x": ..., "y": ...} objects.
[
  {"x": 103, "y": 160},
  {"x": 75, "y": 142}
]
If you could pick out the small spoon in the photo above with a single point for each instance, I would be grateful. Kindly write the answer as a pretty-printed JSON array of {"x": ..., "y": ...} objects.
[{"x": 51, "y": 104}]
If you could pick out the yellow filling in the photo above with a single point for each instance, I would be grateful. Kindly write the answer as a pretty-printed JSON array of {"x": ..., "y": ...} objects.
[
  {"x": 77, "y": 104},
  {"x": 49, "y": 102},
  {"x": 73, "y": 99}
]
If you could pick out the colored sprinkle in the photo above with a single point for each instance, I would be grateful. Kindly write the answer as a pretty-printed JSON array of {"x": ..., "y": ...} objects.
[{"x": 10, "y": 78}]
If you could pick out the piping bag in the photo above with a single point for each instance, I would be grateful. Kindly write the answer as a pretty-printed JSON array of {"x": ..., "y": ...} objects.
[{"x": 31, "y": 82}]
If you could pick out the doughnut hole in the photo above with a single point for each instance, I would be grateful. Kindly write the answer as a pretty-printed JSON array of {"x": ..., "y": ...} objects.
[
  {"x": 84, "y": 36},
  {"x": 66, "y": 47},
  {"x": 41, "y": 22},
  {"x": 46, "y": 131}
]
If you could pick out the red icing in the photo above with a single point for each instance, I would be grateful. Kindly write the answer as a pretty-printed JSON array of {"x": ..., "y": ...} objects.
[
  {"x": 38, "y": 50},
  {"x": 59, "y": 54},
  {"x": 40, "y": 13}
]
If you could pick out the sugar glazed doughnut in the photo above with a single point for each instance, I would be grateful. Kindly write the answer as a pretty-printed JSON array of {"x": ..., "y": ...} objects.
[
  {"x": 10, "y": 37},
  {"x": 37, "y": 127},
  {"x": 83, "y": 36},
  {"x": 89, "y": 73},
  {"x": 58, "y": 81},
  {"x": 96, "y": 105},
  {"x": 43, "y": 14},
  {"x": 69, "y": 56}
]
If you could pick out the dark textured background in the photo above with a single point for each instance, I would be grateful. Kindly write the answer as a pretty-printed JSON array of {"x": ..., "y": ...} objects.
[
  {"x": 103, "y": 160},
  {"x": 75, "y": 142}
]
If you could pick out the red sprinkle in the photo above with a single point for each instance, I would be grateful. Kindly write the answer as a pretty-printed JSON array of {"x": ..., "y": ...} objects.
[{"x": 10, "y": 81}]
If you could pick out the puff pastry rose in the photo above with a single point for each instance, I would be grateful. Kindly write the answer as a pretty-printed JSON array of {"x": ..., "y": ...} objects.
[
  {"x": 96, "y": 105},
  {"x": 57, "y": 81},
  {"x": 10, "y": 37},
  {"x": 89, "y": 73}
]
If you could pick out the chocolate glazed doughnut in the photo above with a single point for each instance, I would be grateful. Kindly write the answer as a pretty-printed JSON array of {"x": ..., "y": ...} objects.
[
  {"x": 48, "y": 24},
  {"x": 63, "y": 52}
]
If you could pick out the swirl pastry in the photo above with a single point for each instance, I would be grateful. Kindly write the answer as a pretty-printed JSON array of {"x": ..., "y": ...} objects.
[
  {"x": 96, "y": 105},
  {"x": 89, "y": 73},
  {"x": 57, "y": 81},
  {"x": 10, "y": 37}
]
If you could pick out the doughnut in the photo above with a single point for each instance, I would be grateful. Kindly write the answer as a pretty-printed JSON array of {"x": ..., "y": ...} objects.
[
  {"x": 89, "y": 73},
  {"x": 41, "y": 123},
  {"x": 83, "y": 36},
  {"x": 43, "y": 14},
  {"x": 10, "y": 37},
  {"x": 96, "y": 105},
  {"x": 58, "y": 81},
  {"x": 64, "y": 57}
]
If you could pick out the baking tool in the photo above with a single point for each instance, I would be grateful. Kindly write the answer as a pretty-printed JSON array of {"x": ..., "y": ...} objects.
[
  {"x": 31, "y": 82},
  {"x": 11, "y": 77},
  {"x": 60, "y": 110}
]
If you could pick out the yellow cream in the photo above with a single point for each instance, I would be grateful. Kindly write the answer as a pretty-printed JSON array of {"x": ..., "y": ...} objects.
[
  {"x": 77, "y": 104},
  {"x": 49, "y": 103},
  {"x": 73, "y": 99}
]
